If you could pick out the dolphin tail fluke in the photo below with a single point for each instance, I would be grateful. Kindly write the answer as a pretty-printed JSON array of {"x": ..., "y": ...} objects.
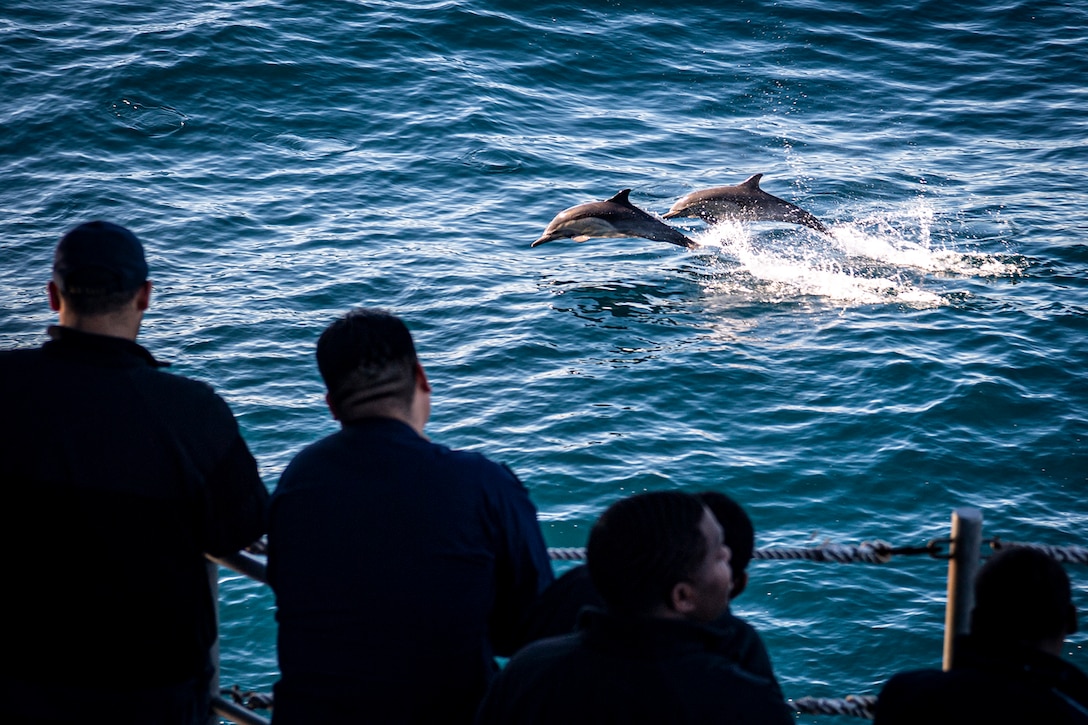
[{"x": 805, "y": 218}]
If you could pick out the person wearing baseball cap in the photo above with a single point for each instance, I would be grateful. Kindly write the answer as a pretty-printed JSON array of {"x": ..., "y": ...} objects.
[{"x": 121, "y": 477}]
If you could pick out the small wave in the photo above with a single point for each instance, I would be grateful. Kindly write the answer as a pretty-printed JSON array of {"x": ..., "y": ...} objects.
[
  {"x": 492, "y": 161},
  {"x": 311, "y": 147},
  {"x": 150, "y": 120}
]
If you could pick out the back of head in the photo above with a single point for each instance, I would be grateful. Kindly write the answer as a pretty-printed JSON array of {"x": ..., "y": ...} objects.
[
  {"x": 367, "y": 358},
  {"x": 740, "y": 535},
  {"x": 1022, "y": 596},
  {"x": 642, "y": 546},
  {"x": 98, "y": 267}
]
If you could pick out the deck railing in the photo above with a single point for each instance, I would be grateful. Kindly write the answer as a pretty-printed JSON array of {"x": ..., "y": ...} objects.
[{"x": 964, "y": 555}]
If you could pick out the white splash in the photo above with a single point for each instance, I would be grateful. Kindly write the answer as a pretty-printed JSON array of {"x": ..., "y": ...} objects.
[{"x": 875, "y": 260}]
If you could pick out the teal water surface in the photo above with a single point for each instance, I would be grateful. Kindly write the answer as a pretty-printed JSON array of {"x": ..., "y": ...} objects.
[{"x": 285, "y": 160}]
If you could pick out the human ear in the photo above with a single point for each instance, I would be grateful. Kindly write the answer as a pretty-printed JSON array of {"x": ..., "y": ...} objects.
[
  {"x": 682, "y": 598},
  {"x": 54, "y": 296},
  {"x": 740, "y": 583},
  {"x": 143, "y": 296},
  {"x": 332, "y": 408},
  {"x": 421, "y": 379}
]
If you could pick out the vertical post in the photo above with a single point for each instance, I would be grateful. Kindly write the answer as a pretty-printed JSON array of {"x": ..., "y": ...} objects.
[
  {"x": 213, "y": 685},
  {"x": 963, "y": 563}
]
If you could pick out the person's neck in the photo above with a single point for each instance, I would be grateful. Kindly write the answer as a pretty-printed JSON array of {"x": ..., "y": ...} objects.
[
  {"x": 1051, "y": 645},
  {"x": 112, "y": 325},
  {"x": 389, "y": 412}
]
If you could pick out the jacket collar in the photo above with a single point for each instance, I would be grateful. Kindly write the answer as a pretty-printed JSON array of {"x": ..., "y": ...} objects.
[{"x": 98, "y": 348}]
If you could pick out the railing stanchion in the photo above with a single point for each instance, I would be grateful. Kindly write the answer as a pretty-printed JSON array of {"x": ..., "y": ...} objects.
[
  {"x": 213, "y": 686},
  {"x": 963, "y": 564}
]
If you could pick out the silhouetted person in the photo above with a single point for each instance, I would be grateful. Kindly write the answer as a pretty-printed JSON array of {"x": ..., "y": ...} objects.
[
  {"x": 117, "y": 478},
  {"x": 1009, "y": 669},
  {"x": 661, "y": 566},
  {"x": 557, "y": 610},
  {"x": 400, "y": 567}
]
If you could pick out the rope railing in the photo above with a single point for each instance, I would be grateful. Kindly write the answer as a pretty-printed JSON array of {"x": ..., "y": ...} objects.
[
  {"x": 238, "y": 706},
  {"x": 875, "y": 552},
  {"x": 238, "y": 712},
  {"x": 862, "y": 706},
  {"x": 1063, "y": 554}
]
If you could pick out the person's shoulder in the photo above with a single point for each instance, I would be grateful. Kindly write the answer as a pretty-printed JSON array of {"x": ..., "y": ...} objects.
[
  {"x": 190, "y": 394},
  {"x": 486, "y": 471},
  {"x": 911, "y": 681},
  {"x": 922, "y": 695},
  {"x": 547, "y": 652},
  {"x": 313, "y": 454},
  {"x": 18, "y": 353},
  {"x": 24, "y": 357},
  {"x": 716, "y": 684},
  {"x": 730, "y": 624},
  {"x": 21, "y": 355},
  {"x": 180, "y": 382},
  {"x": 21, "y": 375}
]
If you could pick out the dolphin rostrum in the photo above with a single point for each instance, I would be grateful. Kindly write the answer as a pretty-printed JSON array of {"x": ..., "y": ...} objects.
[
  {"x": 745, "y": 201},
  {"x": 616, "y": 217}
]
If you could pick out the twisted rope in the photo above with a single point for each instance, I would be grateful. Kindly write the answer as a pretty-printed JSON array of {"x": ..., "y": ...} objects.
[
  {"x": 861, "y": 706},
  {"x": 876, "y": 552},
  {"x": 1063, "y": 554},
  {"x": 249, "y": 700},
  {"x": 854, "y": 705}
]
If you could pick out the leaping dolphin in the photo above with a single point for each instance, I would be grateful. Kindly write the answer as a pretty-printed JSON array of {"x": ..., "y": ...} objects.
[
  {"x": 745, "y": 201},
  {"x": 616, "y": 217}
]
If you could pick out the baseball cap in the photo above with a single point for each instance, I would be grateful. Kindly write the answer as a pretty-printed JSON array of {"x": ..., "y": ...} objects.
[{"x": 99, "y": 258}]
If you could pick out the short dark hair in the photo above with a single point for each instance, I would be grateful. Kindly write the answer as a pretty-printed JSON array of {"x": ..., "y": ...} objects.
[
  {"x": 100, "y": 303},
  {"x": 1021, "y": 594},
  {"x": 642, "y": 546},
  {"x": 740, "y": 535},
  {"x": 367, "y": 355}
]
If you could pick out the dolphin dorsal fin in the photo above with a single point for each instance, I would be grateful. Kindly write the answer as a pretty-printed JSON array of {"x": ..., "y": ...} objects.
[
  {"x": 751, "y": 183},
  {"x": 621, "y": 198}
]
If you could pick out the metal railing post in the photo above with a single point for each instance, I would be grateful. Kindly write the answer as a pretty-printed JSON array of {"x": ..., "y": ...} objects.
[
  {"x": 213, "y": 686},
  {"x": 963, "y": 564}
]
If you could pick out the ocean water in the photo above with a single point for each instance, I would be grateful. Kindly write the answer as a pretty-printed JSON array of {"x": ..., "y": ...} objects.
[{"x": 284, "y": 161}]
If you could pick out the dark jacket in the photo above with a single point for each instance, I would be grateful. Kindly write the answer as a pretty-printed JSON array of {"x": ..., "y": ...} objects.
[
  {"x": 401, "y": 568},
  {"x": 617, "y": 670},
  {"x": 996, "y": 686},
  {"x": 117, "y": 478},
  {"x": 556, "y": 612}
]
